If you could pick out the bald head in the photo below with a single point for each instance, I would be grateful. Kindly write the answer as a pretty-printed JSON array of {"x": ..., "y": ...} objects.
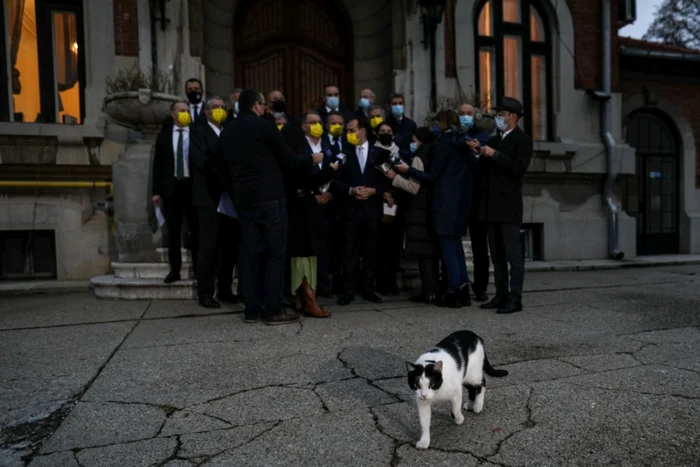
[
  {"x": 275, "y": 95},
  {"x": 466, "y": 109}
]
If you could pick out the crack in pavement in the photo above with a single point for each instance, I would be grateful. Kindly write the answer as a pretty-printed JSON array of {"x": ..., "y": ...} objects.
[
  {"x": 626, "y": 334},
  {"x": 529, "y": 423},
  {"x": 175, "y": 455},
  {"x": 34, "y": 434},
  {"x": 275, "y": 425},
  {"x": 628, "y": 391}
]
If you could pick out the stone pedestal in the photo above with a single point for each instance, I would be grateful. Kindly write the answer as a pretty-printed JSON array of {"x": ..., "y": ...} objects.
[{"x": 131, "y": 178}]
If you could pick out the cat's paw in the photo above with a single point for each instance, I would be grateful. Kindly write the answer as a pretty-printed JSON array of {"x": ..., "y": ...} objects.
[
  {"x": 459, "y": 419},
  {"x": 423, "y": 443},
  {"x": 478, "y": 408},
  {"x": 467, "y": 406}
]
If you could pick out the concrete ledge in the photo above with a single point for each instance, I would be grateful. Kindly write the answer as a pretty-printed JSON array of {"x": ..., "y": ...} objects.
[
  {"x": 42, "y": 287},
  {"x": 149, "y": 270},
  {"x": 601, "y": 264},
  {"x": 112, "y": 287}
]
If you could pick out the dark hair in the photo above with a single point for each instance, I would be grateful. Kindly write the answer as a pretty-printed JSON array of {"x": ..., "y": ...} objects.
[
  {"x": 310, "y": 112},
  {"x": 194, "y": 80},
  {"x": 172, "y": 106},
  {"x": 424, "y": 134},
  {"x": 396, "y": 95},
  {"x": 248, "y": 98},
  {"x": 336, "y": 113},
  {"x": 386, "y": 124},
  {"x": 362, "y": 123},
  {"x": 447, "y": 119}
]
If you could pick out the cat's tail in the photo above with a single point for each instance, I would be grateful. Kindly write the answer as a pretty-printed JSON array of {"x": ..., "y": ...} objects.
[{"x": 491, "y": 371}]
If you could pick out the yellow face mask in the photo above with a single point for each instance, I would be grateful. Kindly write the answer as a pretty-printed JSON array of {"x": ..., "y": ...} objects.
[
  {"x": 376, "y": 121},
  {"x": 316, "y": 130},
  {"x": 336, "y": 129},
  {"x": 280, "y": 126},
  {"x": 184, "y": 118},
  {"x": 353, "y": 139},
  {"x": 219, "y": 115}
]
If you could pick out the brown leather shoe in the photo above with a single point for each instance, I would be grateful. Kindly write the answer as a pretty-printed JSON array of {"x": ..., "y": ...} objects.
[
  {"x": 311, "y": 308},
  {"x": 285, "y": 317}
]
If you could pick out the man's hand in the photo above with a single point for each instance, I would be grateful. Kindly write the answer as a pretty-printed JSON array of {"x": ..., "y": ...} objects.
[
  {"x": 389, "y": 199},
  {"x": 323, "y": 198},
  {"x": 318, "y": 157},
  {"x": 401, "y": 167},
  {"x": 474, "y": 145},
  {"x": 364, "y": 193},
  {"x": 155, "y": 200},
  {"x": 390, "y": 174},
  {"x": 335, "y": 165},
  {"x": 488, "y": 151}
]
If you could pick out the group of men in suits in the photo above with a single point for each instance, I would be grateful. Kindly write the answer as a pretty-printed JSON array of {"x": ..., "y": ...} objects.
[{"x": 212, "y": 148}]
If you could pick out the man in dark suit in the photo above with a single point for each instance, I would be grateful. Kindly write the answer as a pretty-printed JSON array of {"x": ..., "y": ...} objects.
[
  {"x": 218, "y": 234},
  {"x": 403, "y": 126},
  {"x": 195, "y": 95},
  {"x": 504, "y": 162},
  {"x": 478, "y": 229},
  {"x": 361, "y": 187},
  {"x": 254, "y": 155},
  {"x": 331, "y": 96},
  {"x": 172, "y": 184}
]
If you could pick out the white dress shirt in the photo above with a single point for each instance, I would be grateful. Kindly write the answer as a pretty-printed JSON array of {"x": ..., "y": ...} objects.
[
  {"x": 216, "y": 129},
  {"x": 200, "y": 109},
  {"x": 332, "y": 139},
  {"x": 362, "y": 153},
  {"x": 185, "y": 149},
  {"x": 503, "y": 136},
  {"x": 316, "y": 147}
]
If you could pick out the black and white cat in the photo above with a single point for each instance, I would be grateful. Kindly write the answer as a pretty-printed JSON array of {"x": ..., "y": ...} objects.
[{"x": 458, "y": 360}]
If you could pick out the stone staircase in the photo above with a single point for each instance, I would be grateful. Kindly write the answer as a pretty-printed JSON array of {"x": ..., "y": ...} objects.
[{"x": 144, "y": 281}]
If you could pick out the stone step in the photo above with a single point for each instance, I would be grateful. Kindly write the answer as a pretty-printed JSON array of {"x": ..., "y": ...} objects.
[
  {"x": 112, "y": 287},
  {"x": 149, "y": 270},
  {"x": 186, "y": 255}
]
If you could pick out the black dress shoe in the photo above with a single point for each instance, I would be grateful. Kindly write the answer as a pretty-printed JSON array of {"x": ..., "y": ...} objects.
[
  {"x": 345, "y": 299},
  {"x": 228, "y": 298},
  {"x": 423, "y": 298},
  {"x": 372, "y": 297},
  {"x": 172, "y": 277},
  {"x": 480, "y": 297},
  {"x": 450, "y": 300},
  {"x": 251, "y": 316},
  {"x": 495, "y": 304},
  {"x": 465, "y": 296},
  {"x": 208, "y": 302},
  {"x": 509, "y": 308}
]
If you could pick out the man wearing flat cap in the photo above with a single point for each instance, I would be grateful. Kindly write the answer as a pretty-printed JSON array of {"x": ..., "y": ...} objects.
[{"x": 504, "y": 161}]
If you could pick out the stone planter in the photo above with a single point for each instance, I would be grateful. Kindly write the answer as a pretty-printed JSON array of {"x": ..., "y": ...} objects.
[{"x": 141, "y": 110}]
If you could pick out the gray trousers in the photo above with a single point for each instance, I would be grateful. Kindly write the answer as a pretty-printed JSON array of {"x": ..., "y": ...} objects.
[{"x": 504, "y": 244}]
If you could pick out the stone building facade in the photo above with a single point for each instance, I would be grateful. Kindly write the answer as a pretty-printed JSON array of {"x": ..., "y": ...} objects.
[{"x": 546, "y": 52}]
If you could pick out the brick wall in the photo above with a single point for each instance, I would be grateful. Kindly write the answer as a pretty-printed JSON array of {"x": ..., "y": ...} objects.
[
  {"x": 588, "y": 46},
  {"x": 676, "y": 91},
  {"x": 126, "y": 28}
]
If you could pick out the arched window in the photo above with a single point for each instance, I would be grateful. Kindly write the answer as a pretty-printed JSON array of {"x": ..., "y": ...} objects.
[{"x": 514, "y": 59}]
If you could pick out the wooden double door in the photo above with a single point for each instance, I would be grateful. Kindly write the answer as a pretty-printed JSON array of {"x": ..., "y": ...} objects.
[{"x": 298, "y": 47}]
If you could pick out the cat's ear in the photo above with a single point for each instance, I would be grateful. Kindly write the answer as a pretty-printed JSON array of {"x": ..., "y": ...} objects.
[
  {"x": 410, "y": 367},
  {"x": 438, "y": 367}
]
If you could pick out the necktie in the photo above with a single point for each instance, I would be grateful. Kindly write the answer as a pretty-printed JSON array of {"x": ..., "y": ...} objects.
[
  {"x": 180, "y": 155},
  {"x": 196, "y": 112},
  {"x": 361, "y": 158}
]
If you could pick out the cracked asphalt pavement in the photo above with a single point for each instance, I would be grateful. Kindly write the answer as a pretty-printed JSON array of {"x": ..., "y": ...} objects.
[{"x": 604, "y": 370}]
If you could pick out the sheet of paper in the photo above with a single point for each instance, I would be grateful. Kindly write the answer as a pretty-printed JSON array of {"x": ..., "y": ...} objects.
[
  {"x": 389, "y": 211},
  {"x": 226, "y": 206},
  {"x": 160, "y": 216}
]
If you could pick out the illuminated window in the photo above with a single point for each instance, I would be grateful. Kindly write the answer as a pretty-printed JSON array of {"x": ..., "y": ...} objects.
[
  {"x": 45, "y": 58},
  {"x": 514, "y": 60}
]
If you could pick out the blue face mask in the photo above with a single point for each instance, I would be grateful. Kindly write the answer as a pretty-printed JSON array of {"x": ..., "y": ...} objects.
[
  {"x": 436, "y": 130},
  {"x": 397, "y": 110},
  {"x": 235, "y": 107},
  {"x": 332, "y": 102},
  {"x": 364, "y": 102},
  {"x": 413, "y": 146},
  {"x": 501, "y": 124},
  {"x": 467, "y": 121}
]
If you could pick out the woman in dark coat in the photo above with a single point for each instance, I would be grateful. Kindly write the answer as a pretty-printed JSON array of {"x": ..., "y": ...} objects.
[
  {"x": 420, "y": 240},
  {"x": 305, "y": 194},
  {"x": 450, "y": 175}
]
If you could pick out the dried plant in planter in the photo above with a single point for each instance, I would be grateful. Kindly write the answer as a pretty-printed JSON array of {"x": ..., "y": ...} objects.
[{"x": 133, "y": 79}]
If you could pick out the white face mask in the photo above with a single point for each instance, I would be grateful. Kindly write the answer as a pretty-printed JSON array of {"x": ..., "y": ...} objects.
[{"x": 501, "y": 124}]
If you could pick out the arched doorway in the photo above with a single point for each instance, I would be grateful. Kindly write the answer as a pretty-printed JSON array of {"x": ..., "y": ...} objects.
[
  {"x": 652, "y": 195},
  {"x": 298, "y": 47}
]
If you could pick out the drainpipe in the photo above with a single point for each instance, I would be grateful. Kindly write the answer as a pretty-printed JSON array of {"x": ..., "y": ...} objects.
[
  {"x": 154, "y": 45},
  {"x": 614, "y": 251}
]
